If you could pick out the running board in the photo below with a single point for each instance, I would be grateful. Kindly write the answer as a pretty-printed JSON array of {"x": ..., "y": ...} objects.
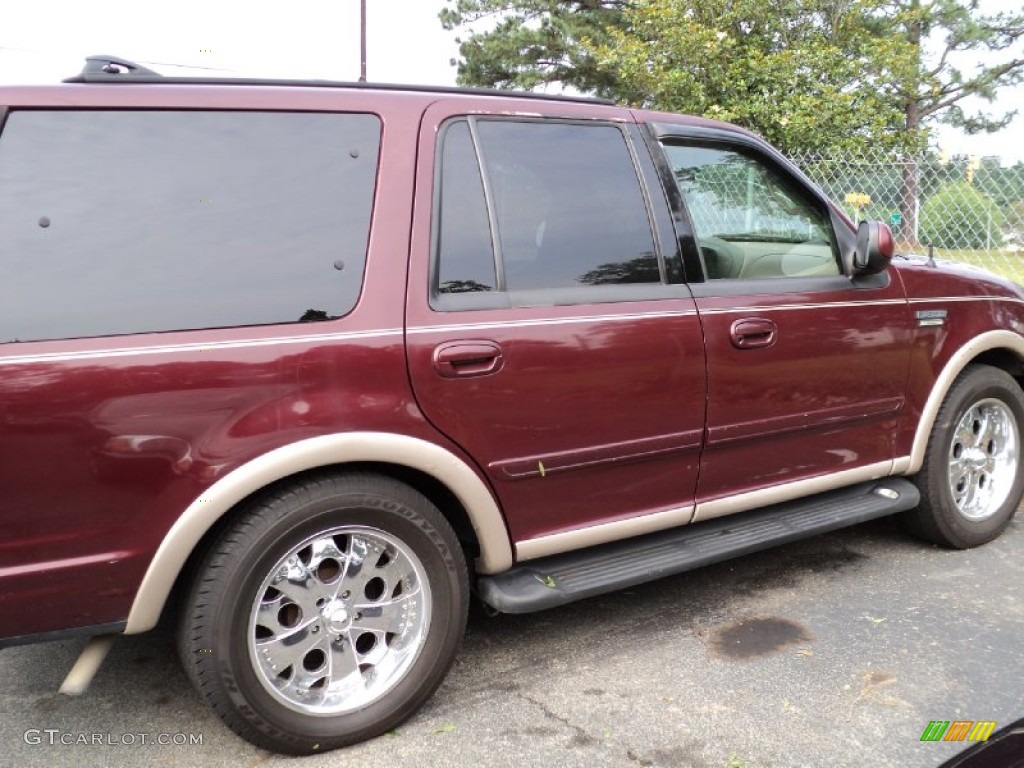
[{"x": 537, "y": 585}]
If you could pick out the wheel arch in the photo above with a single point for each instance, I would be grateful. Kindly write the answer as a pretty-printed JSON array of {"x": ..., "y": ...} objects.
[
  {"x": 1000, "y": 349},
  {"x": 438, "y": 473}
]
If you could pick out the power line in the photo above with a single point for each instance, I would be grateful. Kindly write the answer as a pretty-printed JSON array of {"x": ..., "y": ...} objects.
[{"x": 53, "y": 55}]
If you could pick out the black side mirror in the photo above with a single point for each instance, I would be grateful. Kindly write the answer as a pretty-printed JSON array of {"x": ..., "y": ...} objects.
[{"x": 875, "y": 248}]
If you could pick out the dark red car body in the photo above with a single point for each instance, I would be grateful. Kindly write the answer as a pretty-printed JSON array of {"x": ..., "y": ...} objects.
[{"x": 595, "y": 421}]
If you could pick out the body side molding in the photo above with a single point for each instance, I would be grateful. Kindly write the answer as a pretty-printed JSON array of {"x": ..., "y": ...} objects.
[
  {"x": 777, "y": 494},
  {"x": 602, "y": 533},
  {"x": 326, "y": 450}
]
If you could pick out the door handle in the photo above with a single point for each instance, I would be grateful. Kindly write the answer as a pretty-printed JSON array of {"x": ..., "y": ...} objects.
[
  {"x": 753, "y": 332},
  {"x": 467, "y": 358}
]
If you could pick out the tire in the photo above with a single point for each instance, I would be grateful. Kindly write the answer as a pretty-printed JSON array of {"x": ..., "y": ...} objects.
[
  {"x": 971, "y": 481},
  {"x": 327, "y": 613}
]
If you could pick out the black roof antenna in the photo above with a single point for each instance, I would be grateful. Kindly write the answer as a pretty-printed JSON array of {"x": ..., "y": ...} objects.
[{"x": 99, "y": 69}]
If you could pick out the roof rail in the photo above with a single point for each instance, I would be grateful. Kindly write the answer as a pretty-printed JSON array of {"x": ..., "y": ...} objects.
[
  {"x": 101, "y": 69},
  {"x": 112, "y": 69}
]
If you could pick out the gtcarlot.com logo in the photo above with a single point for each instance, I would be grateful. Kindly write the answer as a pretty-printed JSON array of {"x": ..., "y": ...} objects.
[{"x": 57, "y": 737}]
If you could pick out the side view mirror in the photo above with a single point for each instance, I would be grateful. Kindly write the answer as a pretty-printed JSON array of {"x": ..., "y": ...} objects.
[{"x": 875, "y": 248}]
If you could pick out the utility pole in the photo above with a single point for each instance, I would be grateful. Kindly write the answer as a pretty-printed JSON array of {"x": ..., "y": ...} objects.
[{"x": 362, "y": 41}]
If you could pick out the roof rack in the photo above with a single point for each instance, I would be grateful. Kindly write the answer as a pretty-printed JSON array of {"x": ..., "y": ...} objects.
[
  {"x": 101, "y": 69},
  {"x": 113, "y": 69}
]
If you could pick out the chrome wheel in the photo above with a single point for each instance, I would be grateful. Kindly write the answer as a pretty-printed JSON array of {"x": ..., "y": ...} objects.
[
  {"x": 983, "y": 459},
  {"x": 326, "y": 612},
  {"x": 339, "y": 620}
]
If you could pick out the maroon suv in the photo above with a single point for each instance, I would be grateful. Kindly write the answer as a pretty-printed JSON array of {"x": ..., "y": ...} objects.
[{"x": 311, "y": 362}]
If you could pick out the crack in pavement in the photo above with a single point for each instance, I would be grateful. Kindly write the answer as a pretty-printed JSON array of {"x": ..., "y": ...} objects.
[
  {"x": 681, "y": 755},
  {"x": 582, "y": 737}
]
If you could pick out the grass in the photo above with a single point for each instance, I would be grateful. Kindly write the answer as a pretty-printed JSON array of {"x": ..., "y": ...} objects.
[{"x": 1003, "y": 263}]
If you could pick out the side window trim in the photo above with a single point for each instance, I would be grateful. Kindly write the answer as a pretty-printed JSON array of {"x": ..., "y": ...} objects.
[
  {"x": 686, "y": 240},
  {"x": 782, "y": 285},
  {"x": 645, "y": 193},
  {"x": 492, "y": 212}
]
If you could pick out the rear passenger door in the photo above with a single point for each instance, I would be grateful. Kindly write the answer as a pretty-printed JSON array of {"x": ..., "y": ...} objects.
[{"x": 549, "y": 330}]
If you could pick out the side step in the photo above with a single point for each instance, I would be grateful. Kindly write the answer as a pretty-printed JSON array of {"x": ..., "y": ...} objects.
[{"x": 552, "y": 581}]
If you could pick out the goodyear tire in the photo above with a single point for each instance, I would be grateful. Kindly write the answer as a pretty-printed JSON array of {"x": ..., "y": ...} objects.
[
  {"x": 971, "y": 481},
  {"x": 327, "y": 613}
]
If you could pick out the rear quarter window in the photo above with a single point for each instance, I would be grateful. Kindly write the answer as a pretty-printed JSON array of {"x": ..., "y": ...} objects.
[{"x": 120, "y": 222}]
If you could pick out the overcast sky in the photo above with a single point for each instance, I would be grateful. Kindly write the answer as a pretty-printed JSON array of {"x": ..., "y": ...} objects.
[{"x": 46, "y": 40}]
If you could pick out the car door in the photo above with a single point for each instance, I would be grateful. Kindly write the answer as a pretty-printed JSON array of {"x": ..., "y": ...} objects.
[
  {"x": 807, "y": 366},
  {"x": 549, "y": 331}
]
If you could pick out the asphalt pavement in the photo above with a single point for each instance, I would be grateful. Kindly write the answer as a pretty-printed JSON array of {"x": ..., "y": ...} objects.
[{"x": 835, "y": 651}]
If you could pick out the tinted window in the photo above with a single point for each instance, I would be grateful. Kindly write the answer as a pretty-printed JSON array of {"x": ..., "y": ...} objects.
[
  {"x": 127, "y": 222},
  {"x": 568, "y": 205},
  {"x": 466, "y": 262},
  {"x": 750, "y": 220}
]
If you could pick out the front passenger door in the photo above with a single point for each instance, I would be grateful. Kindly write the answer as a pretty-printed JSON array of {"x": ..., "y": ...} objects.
[{"x": 807, "y": 366}]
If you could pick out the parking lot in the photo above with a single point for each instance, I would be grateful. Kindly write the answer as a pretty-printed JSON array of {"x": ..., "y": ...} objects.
[{"x": 835, "y": 651}]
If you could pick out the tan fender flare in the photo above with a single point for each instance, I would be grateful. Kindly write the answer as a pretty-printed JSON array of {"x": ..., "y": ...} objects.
[
  {"x": 984, "y": 342},
  {"x": 326, "y": 450}
]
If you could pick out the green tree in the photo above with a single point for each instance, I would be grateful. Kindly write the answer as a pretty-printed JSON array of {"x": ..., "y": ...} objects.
[
  {"x": 531, "y": 43},
  {"x": 813, "y": 74},
  {"x": 930, "y": 88},
  {"x": 1005, "y": 185},
  {"x": 959, "y": 216},
  {"x": 790, "y": 70},
  {"x": 809, "y": 75},
  {"x": 862, "y": 53},
  {"x": 934, "y": 87}
]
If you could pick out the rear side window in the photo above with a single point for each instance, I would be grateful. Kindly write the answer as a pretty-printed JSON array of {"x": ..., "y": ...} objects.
[
  {"x": 566, "y": 209},
  {"x": 116, "y": 222}
]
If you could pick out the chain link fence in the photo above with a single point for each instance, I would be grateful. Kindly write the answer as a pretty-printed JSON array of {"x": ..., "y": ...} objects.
[{"x": 969, "y": 209}]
